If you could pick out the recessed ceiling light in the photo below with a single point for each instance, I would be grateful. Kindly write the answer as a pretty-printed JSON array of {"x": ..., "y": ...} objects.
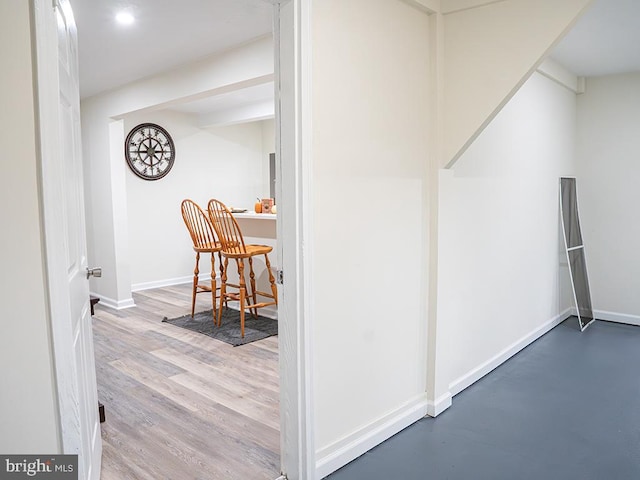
[{"x": 124, "y": 18}]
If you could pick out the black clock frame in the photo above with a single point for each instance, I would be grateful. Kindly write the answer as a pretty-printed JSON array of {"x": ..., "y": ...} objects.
[{"x": 151, "y": 147}]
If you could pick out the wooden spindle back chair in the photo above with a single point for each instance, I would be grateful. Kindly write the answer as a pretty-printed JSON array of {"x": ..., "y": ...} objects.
[
  {"x": 233, "y": 247},
  {"x": 204, "y": 241}
]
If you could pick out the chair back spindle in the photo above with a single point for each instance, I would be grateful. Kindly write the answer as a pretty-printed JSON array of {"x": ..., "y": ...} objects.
[
  {"x": 226, "y": 227},
  {"x": 198, "y": 224}
]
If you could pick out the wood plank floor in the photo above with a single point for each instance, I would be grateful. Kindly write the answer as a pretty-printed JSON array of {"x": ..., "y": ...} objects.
[{"x": 181, "y": 405}]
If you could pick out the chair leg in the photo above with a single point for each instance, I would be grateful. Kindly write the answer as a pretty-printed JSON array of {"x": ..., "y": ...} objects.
[
  {"x": 243, "y": 292},
  {"x": 213, "y": 286},
  {"x": 223, "y": 289},
  {"x": 252, "y": 278},
  {"x": 196, "y": 271},
  {"x": 222, "y": 270},
  {"x": 272, "y": 280}
]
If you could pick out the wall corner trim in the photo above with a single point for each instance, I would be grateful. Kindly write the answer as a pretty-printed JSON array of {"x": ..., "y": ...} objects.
[
  {"x": 559, "y": 74},
  {"x": 481, "y": 370},
  {"x": 439, "y": 405},
  {"x": 350, "y": 447},
  {"x": 115, "y": 304}
]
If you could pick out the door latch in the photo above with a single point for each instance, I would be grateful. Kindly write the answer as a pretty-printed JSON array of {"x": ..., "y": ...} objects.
[{"x": 94, "y": 272}]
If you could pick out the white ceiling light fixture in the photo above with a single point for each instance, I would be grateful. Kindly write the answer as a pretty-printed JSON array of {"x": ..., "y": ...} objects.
[{"x": 125, "y": 18}]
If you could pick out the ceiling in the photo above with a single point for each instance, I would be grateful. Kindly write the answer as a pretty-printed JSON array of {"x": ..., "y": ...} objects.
[
  {"x": 604, "y": 41},
  {"x": 165, "y": 35},
  {"x": 170, "y": 33}
]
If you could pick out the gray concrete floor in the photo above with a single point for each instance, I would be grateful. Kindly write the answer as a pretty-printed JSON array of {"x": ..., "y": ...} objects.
[{"x": 566, "y": 407}]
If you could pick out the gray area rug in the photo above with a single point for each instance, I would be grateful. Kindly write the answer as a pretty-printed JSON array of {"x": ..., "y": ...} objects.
[{"x": 229, "y": 332}]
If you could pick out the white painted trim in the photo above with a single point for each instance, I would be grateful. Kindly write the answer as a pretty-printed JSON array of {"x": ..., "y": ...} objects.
[
  {"x": 481, "y": 370},
  {"x": 350, "y": 447},
  {"x": 625, "y": 318},
  {"x": 115, "y": 304},
  {"x": 559, "y": 74},
  {"x": 292, "y": 33},
  {"x": 439, "y": 405},
  {"x": 427, "y": 6},
  {"x": 167, "y": 282},
  {"x": 435, "y": 375}
]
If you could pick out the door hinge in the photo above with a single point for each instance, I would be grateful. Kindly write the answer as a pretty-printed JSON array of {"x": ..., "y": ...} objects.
[{"x": 279, "y": 277}]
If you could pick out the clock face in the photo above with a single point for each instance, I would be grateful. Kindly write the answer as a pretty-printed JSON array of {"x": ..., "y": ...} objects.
[{"x": 149, "y": 151}]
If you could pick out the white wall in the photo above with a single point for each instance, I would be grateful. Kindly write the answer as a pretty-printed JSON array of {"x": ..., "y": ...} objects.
[
  {"x": 28, "y": 407},
  {"x": 608, "y": 146},
  {"x": 370, "y": 120},
  {"x": 105, "y": 169},
  {"x": 226, "y": 163},
  {"x": 502, "y": 270}
]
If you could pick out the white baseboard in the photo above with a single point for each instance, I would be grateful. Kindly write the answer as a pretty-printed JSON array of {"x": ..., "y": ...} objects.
[
  {"x": 138, "y": 287},
  {"x": 439, "y": 405},
  {"x": 115, "y": 304},
  {"x": 617, "y": 317},
  {"x": 480, "y": 371},
  {"x": 269, "y": 312},
  {"x": 338, "y": 454}
]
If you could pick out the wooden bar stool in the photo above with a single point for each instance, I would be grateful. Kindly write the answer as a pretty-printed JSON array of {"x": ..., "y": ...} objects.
[
  {"x": 204, "y": 241},
  {"x": 233, "y": 247}
]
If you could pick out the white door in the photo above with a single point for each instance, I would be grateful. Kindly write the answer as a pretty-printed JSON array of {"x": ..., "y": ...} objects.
[{"x": 64, "y": 224}]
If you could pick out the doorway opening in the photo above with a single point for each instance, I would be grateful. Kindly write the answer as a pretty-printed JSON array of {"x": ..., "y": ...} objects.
[{"x": 223, "y": 135}]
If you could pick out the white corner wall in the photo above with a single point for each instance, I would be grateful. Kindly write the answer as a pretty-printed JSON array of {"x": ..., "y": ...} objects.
[
  {"x": 370, "y": 122},
  {"x": 28, "y": 405},
  {"x": 503, "y": 280},
  {"x": 608, "y": 146},
  {"x": 226, "y": 163}
]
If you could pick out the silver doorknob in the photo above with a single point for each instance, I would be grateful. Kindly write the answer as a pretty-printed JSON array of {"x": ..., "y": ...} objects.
[{"x": 94, "y": 272}]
